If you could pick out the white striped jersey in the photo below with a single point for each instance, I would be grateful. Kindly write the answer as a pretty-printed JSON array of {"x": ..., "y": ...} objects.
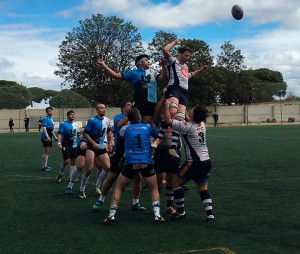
[{"x": 194, "y": 139}]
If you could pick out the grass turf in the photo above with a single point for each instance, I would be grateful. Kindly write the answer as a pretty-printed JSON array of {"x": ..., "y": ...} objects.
[{"x": 254, "y": 185}]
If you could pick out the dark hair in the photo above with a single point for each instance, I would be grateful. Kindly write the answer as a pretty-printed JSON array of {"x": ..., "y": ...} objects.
[
  {"x": 48, "y": 108},
  {"x": 200, "y": 114},
  {"x": 133, "y": 115},
  {"x": 182, "y": 49},
  {"x": 138, "y": 58},
  {"x": 123, "y": 105},
  {"x": 70, "y": 112}
]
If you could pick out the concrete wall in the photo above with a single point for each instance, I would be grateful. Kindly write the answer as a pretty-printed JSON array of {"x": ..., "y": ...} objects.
[{"x": 227, "y": 114}]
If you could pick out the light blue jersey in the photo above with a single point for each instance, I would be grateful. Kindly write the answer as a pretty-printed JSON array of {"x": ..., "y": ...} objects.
[
  {"x": 138, "y": 148},
  {"x": 144, "y": 83},
  {"x": 97, "y": 129},
  {"x": 49, "y": 124},
  {"x": 117, "y": 118},
  {"x": 69, "y": 132}
]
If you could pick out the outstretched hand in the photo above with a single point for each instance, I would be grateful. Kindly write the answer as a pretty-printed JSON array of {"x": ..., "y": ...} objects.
[
  {"x": 206, "y": 67},
  {"x": 100, "y": 61}
]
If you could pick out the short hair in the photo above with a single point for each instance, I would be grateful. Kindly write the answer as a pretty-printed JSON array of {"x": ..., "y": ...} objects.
[
  {"x": 182, "y": 49},
  {"x": 70, "y": 112},
  {"x": 140, "y": 57},
  {"x": 199, "y": 114},
  {"x": 123, "y": 105},
  {"x": 48, "y": 108},
  {"x": 134, "y": 115}
]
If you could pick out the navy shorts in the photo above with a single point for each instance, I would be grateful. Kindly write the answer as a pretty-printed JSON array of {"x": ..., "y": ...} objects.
[
  {"x": 47, "y": 143},
  {"x": 164, "y": 162},
  {"x": 197, "y": 171},
  {"x": 179, "y": 93},
  {"x": 146, "y": 108},
  {"x": 69, "y": 152},
  {"x": 131, "y": 170}
]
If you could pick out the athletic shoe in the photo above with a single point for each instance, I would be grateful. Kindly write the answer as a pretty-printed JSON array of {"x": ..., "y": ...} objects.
[
  {"x": 155, "y": 143},
  {"x": 177, "y": 216},
  {"x": 210, "y": 218},
  {"x": 59, "y": 178},
  {"x": 98, "y": 205},
  {"x": 69, "y": 191},
  {"x": 82, "y": 194},
  {"x": 173, "y": 152},
  {"x": 171, "y": 210},
  {"x": 109, "y": 220},
  {"x": 138, "y": 207},
  {"x": 159, "y": 220},
  {"x": 47, "y": 169},
  {"x": 98, "y": 190}
]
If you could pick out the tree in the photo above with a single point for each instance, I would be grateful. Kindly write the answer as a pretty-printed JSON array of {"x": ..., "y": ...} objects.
[
  {"x": 69, "y": 99},
  {"x": 161, "y": 38},
  {"x": 267, "y": 84},
  {"x": 116, "y": 41},
  {"x": 13, "y": 95},
  {"x": 202, "y": 89},
  {"x": 231, "y": 60}
]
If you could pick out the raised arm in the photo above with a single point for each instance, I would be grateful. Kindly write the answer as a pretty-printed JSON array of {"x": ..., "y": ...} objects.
[
  {"x": 167, "y": 114},
  {"x": 110, "y": 71},
  {"x": 163, "y": 74},
  {"x": 197, "y": 72},
  {"x": 168, "y": 47}
]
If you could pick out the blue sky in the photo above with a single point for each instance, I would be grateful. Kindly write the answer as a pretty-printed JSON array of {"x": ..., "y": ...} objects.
[{"x": 32, "y": 30}]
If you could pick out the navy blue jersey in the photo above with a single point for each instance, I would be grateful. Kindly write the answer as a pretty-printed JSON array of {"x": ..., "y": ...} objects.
[
  {"x": 144, "y": 83},
  {"x": 138, "y": 148},
  {"x": 49, "y": 124},
  {"x": 97, "y": 129},
  {"x": 69, "y": 132},
  {"x": 117, "y": 118}
]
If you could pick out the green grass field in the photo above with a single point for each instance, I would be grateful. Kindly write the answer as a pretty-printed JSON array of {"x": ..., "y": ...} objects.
[{"x": 255, "y": 186}]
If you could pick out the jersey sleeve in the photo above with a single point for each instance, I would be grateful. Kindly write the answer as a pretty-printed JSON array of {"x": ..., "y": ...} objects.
[
  {"x": 170, "y": 60},
  {"x": 61, "y": 128},
  {"x": 180, "y": 126},
  {"x": 122, "y": 131},
  {"x": 44, "y": 122},
  {"x": 127, "y": 75},
  {"x": 88, "y": 126}
]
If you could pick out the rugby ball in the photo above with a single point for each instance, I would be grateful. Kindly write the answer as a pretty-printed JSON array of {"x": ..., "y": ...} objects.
[{"x": 237, "y": 12}]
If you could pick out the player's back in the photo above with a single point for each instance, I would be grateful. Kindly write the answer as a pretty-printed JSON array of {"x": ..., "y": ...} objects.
[{"x": 137, "y": 143}]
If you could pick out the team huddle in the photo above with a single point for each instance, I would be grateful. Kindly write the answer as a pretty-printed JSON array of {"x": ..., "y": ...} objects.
[{"x": 144, "y": 142}]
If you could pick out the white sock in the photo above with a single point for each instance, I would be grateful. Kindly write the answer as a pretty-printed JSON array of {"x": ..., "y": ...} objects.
[
  {"x": 102, "y": 198},
  {"x": 135, "y": 201},
  {"x": 156, "y": 208},
  {"x": 101, "y": 179},
  {"x": 84, "y": 180},
  {"x": 112, "y": 210},
  {"x": 72, "y": 169},
  {"x": 73, "y": 178},
  {"x": 44, "y": 160},
  {"x": 62, "y": 169}
]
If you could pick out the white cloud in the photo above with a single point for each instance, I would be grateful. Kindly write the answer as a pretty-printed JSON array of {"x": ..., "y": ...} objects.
[
  {"x": 276, "y": 50},
  {"x": 29, "y": 56}
]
